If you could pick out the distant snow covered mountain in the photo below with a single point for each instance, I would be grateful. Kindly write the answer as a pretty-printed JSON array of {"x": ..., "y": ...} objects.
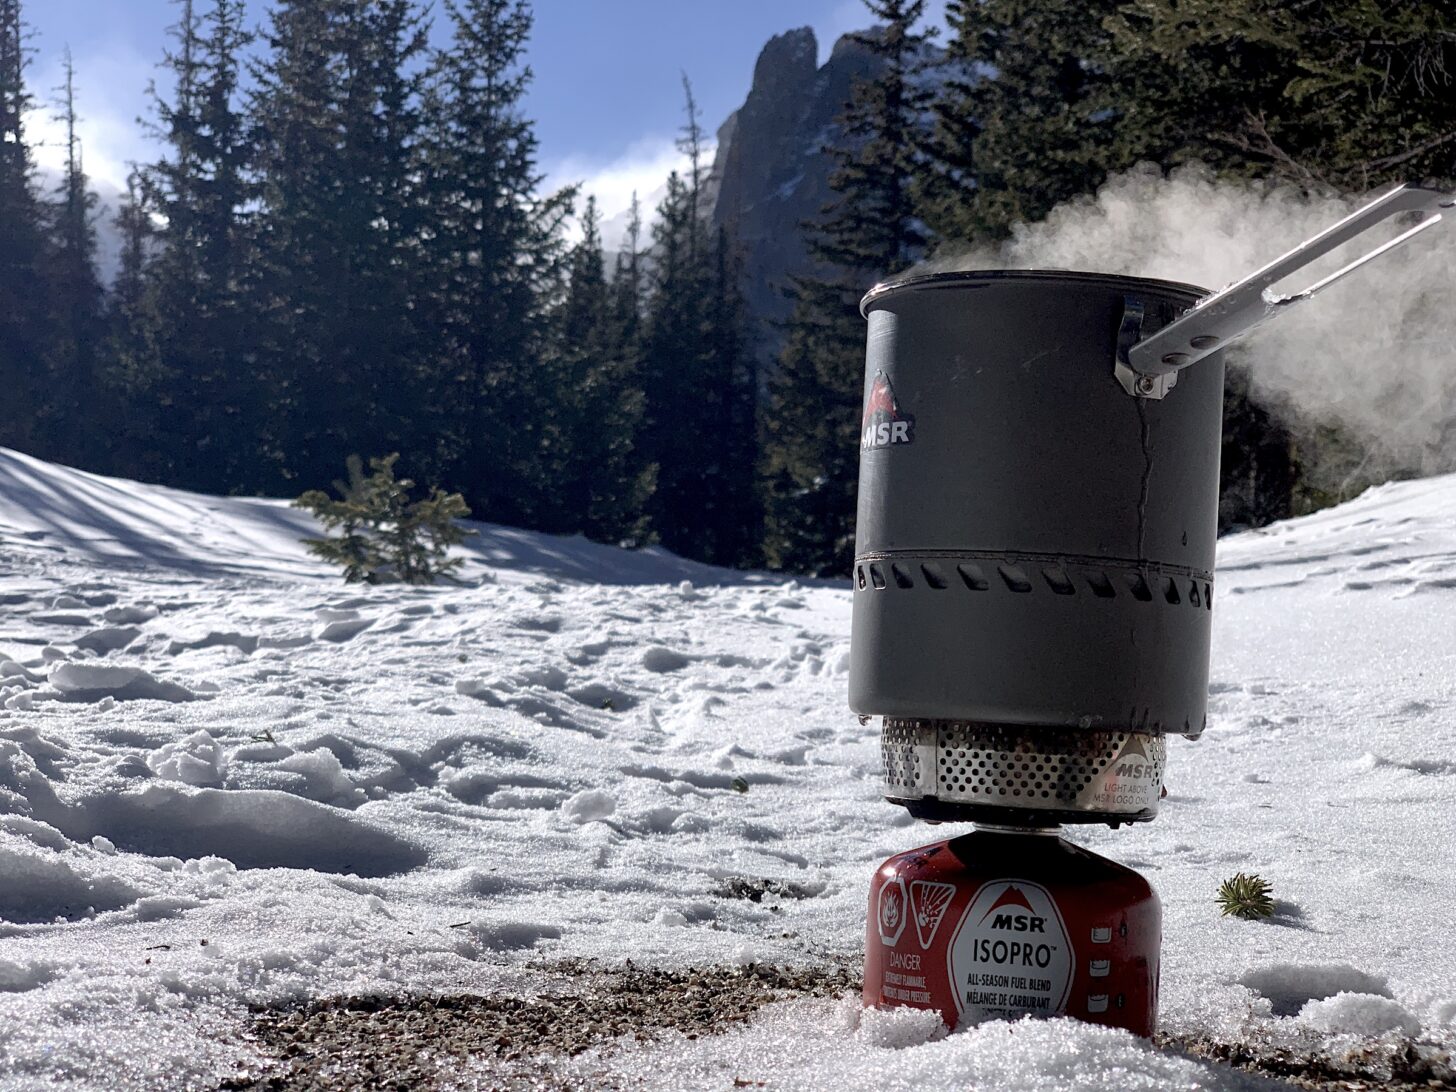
[{"x": 228, "y": 780}]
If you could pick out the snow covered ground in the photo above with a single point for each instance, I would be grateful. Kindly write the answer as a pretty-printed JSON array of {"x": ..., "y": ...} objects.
[{"x": 227, "y": 780}]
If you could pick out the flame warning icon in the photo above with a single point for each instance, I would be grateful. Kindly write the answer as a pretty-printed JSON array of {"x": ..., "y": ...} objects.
[
  {"x": 892, "y": 910},
  {"x": 929, "y": 902}
]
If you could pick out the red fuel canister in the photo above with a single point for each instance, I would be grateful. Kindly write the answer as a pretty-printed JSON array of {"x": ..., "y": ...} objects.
[{"x": 1003, "y": 922}]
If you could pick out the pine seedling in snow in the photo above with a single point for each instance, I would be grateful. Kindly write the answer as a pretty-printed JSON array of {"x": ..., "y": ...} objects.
[
  {"x": 1244, "y": 896},
  {"x": 384, "y": 536}
]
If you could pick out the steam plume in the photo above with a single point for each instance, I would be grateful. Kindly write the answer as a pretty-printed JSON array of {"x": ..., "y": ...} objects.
[{"x": 1375, "y": 353}]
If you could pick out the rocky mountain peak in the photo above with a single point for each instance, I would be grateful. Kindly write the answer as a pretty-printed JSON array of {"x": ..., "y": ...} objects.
[
  {"x": 771, "y": 170},
  {"x": 790, "y": 58}
]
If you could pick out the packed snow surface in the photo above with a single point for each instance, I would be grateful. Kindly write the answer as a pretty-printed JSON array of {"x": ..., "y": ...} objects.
[{"x": 226, "y": 779}]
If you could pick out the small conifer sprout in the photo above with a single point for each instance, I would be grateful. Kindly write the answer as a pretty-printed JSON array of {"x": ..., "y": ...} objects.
[
  {"x": 384, "y": 536},
  {"x": 1246, "y": 896}
]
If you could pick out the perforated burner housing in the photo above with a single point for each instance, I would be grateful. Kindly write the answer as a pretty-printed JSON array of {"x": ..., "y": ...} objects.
[{"x": 961, "y": 771}]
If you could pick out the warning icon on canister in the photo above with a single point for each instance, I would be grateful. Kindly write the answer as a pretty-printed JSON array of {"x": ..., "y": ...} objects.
[
  {"x": 893, "y": 910},
  {"x": 929, "y": 902}
]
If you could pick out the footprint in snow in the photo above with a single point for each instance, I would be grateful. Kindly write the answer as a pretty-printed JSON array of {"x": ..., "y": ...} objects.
[
  {"x": 252, "y": 828},
  {"x": 601, "y": 696},
  {"x": 1290, "y": 986},
  {"x": 245, "y": 642},
  {"x": 663, "y": 660},
  {"x": 107, "y": 639},
  {"x": 128, "y": 616},
  {"x": 546, "y": 676},
  {"x": 61, "y": 618},
  {"x": 342, "y": 629},
  {"x": 1422, "y": 587},
  {"x": 1370, "y": 761},
  {"x": 89, "y": 683},
  {"x": 54, "y": 888}
]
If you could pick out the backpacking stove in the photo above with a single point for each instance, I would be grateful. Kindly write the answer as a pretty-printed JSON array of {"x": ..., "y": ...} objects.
[{"x": 1033, "y": 605}]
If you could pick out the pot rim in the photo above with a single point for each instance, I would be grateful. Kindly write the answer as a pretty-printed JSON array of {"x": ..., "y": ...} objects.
[{"x": 969, "y": 277}]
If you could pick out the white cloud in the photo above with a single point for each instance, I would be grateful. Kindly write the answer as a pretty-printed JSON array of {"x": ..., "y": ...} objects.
[
  {"x": 107, "y": 91},
  {"x": 642, "y": 169},
  {"x": 102, "y": 153}
]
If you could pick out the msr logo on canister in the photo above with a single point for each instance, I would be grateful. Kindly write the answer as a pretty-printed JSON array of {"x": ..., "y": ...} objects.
[{"x": 1010, "y": 954}]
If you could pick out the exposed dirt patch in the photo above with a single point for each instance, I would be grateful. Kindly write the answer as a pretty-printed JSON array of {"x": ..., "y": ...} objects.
[
  {"x": 400, "y": 1043},
  {"x": 1408, "y": 1069},
  {"x": 422, "y": 1042},
  {"x": 754, "y": 890}
]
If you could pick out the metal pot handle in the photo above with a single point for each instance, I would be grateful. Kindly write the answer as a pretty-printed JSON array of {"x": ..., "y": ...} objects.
[{"x": 1148, "y": 368}]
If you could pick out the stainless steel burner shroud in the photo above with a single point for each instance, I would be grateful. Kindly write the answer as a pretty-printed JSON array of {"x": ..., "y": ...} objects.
[{"x": 960, "y": 770}]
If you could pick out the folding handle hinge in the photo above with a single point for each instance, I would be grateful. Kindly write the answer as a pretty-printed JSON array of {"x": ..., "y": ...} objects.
[{"x": 1128, "y": 335}]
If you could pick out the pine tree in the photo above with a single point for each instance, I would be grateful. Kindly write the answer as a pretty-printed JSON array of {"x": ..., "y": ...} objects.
[
  {"x": 1349, "y": 94},
  {"x": 385, "y": 536},
  {"x": 618, "y": 512},
  {"x": 733, "y": 366},
  {"x": 293, "y": 109},
  {"x": 627, "y": 279},
  {"x": 580, "y": 346},
  {"x": 1035, "y": 132},
  {"x": 598, "y": 488},
  {"x": 871, "y": 230},
  {"x": 25, "y": 320},
  {"x": 677, "y": 399},
  {"x": 211, "y": 401},
  {"x": 377, "y": 342},
  {"x": 71, "y": 421},
  {"x": 1346, "y": 95},
  {"x": 1258, "y": 474},
  {"x": 1072, "y": 95},
  {"x": 131, "y": 355},
  {"x": 695, "y": 374},
  {"x": 728, "y": 517},
  {"x": 495, "y": 258},
  {"x": 338, "y": 129},
  {"x": 336, "y": 110}
]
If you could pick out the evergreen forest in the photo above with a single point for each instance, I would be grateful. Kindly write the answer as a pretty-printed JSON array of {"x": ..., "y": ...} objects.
[{"x": 345, "y": 248}]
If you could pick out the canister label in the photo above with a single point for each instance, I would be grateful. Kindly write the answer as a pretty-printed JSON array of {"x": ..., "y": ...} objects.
[{"x": 1010, "y": 953}]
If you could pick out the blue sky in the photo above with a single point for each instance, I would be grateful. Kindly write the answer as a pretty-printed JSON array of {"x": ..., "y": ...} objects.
[{"x": 607, "y": 96}]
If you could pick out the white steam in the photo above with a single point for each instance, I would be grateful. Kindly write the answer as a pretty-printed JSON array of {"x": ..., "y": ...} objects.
[{"x": 1374, "y": 353}]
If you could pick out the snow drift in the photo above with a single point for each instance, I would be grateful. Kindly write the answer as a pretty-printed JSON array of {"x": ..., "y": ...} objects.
[{"x": 226, "y": 780}]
